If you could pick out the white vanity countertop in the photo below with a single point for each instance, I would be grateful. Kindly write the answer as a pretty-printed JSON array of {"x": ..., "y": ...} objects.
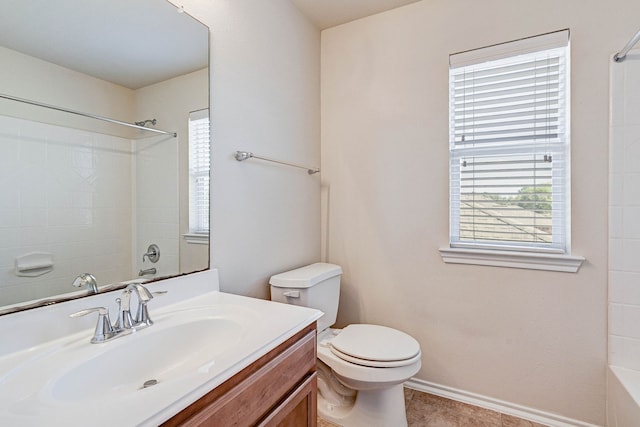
[{"x": 52, "y": 383}]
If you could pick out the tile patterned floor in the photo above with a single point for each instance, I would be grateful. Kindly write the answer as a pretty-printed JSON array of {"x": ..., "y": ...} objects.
[{"x": 428, "y": 410}]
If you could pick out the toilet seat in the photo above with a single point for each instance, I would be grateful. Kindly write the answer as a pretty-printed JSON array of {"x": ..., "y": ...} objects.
[
  {"x": 374, "y": 363},
  {"x": 375, "y": 346},
  {"x": 359, "y": 375}
]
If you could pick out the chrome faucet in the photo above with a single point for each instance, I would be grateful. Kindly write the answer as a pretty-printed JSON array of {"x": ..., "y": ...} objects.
[
  {"x": 104, "y": 330},
  {"x": 153, "y": 253},
  {"x": 88, "y": 280},
  {"x": 125, "y": 324},
  {"x": 125, "y": 320},
  {"x": 151, "y": 270}
]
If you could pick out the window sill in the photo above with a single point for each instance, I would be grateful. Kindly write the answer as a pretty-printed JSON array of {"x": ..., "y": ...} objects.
[
  {"x": 512, "y": 259},
  {"x": 196, "y": 238}
]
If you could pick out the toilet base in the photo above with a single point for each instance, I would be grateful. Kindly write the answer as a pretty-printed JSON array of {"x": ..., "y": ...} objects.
[{"x": 372, "y": 408}]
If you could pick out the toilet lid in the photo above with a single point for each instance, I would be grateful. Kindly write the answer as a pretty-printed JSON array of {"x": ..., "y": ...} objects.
[{"x": 374, "y": 345}]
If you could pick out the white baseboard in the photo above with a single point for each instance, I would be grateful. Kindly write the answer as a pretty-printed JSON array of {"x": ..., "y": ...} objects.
[{"x": 497, "y": 405}]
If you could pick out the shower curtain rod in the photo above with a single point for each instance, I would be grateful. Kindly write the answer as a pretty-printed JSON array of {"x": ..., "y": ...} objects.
[
  {"x": 91, "y": 116},
  {"x": 244, "y": 155},
  {"x": 619, "y": 57}
]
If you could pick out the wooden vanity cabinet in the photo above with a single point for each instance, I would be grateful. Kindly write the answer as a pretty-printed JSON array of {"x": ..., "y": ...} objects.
[{"x": 279, "y": 389}]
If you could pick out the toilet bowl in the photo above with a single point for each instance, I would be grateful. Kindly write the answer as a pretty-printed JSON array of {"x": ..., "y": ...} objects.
[{"x": 361, "y": 368}]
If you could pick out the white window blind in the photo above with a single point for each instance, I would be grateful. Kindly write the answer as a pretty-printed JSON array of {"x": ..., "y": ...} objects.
[
  {"x": 199, "y": 172},
  {"x": 508, "y": 140}
]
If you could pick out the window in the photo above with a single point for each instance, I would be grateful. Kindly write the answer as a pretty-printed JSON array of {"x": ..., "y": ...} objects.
[
  {"x": 509, "y": 149},
  {"x": 198, "y": 177}
]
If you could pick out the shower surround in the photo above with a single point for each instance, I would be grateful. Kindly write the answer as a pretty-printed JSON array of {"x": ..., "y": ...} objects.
[
  {"x": 624, "y": 243},
  {"x": 76, "y": 194}
]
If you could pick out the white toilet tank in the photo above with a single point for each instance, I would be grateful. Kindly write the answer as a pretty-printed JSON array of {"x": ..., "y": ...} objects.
[{"x": 316, "y": 286}]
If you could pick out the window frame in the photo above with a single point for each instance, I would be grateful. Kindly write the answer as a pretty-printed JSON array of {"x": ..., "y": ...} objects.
[
  {"x": 197, "y": 234},
  {"x": 539, "y": 256}
]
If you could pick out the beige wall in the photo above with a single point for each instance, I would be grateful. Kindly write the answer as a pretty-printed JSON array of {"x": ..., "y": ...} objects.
[
  {"x": 24, "y": 76},
  {"x": 532, "y": 338},
  {"x": 265, "y": 98}
]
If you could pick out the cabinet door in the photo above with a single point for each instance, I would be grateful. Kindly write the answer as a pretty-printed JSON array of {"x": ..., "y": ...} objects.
[
  {"x": 250, "y": 396},
  {"x": 298, "y": 410}
]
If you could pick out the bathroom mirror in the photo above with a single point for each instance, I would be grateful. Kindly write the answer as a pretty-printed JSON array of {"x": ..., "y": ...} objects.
[{"x": 83, "y": 195}]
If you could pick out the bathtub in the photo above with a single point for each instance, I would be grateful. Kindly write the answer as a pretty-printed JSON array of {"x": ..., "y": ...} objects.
[{"x": 623, "y": 397}]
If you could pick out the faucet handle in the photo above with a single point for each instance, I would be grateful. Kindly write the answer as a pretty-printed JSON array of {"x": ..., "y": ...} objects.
[
  {"x": 104, "y": 330},
  {"x": 102, "y": 311},
  {"x": 142, "y": 315},
  {"x": 153, "y": 253}
]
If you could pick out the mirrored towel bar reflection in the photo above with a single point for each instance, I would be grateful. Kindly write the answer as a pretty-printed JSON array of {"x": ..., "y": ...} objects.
[{"x": 89, "y": 115}]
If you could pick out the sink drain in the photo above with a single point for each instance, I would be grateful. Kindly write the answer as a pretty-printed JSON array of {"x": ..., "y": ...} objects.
[{"x": 149, "y": 383}]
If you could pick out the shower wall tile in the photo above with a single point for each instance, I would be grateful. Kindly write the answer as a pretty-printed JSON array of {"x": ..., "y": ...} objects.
[
  {"x": 623, "y": 320},
  {"x": 624, "y": 216},
  {"x": 33, "y": 217},
  {"x": 631, "y": 255},
  {"x": 616, "y": 251},
  {"x": 624, "y": 352},
  {"x": 33, "y": 236},
  {"x": 631, "y": 222},
  {"x": 10, "y": 216},
  {"x": 616, "y": 222},
  {"x": 617, "y": 96},
  {"x": 616, "y": 319},
  {"x": 631, "y": 320},
  {"x": 631, "y": 89},
  {"x": 616, "y": 189},
  {"x": 9, "y": 193},
  {"x": 631, "y": 189},
  {"x": 631, "y": 151},
  {"x": 67, "y": 192},
  {"x": 156, "y": 198},
  {"x": 616, "y": 350},
  {"x": 624, "y": 287}
]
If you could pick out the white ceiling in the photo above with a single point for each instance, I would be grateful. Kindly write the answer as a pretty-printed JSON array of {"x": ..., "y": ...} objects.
[
  {"x": 132, "y": 43},
  {"x": 329, "y": 13},
  {"x": 135, "y": 43}
]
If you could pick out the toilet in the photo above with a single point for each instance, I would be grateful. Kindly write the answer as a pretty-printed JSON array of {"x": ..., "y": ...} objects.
[{"x": 361, "y": 368}]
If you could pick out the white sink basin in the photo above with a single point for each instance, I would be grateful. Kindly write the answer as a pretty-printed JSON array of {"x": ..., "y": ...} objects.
[
  {"x": 193, "y": 346},
  {"x": 151, "y": 356}
]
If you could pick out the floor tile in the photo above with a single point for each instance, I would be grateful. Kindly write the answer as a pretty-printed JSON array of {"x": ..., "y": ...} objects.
[
  {"x": 324, "y": 423},
  {"x": 510, "y": 421},
  {"x": 440, "y": 411},
  {"x": 428, "y": 410}
]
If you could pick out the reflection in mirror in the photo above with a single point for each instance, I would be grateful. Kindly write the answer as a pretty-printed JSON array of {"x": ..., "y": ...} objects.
[{"x": 88, "y": 202}]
